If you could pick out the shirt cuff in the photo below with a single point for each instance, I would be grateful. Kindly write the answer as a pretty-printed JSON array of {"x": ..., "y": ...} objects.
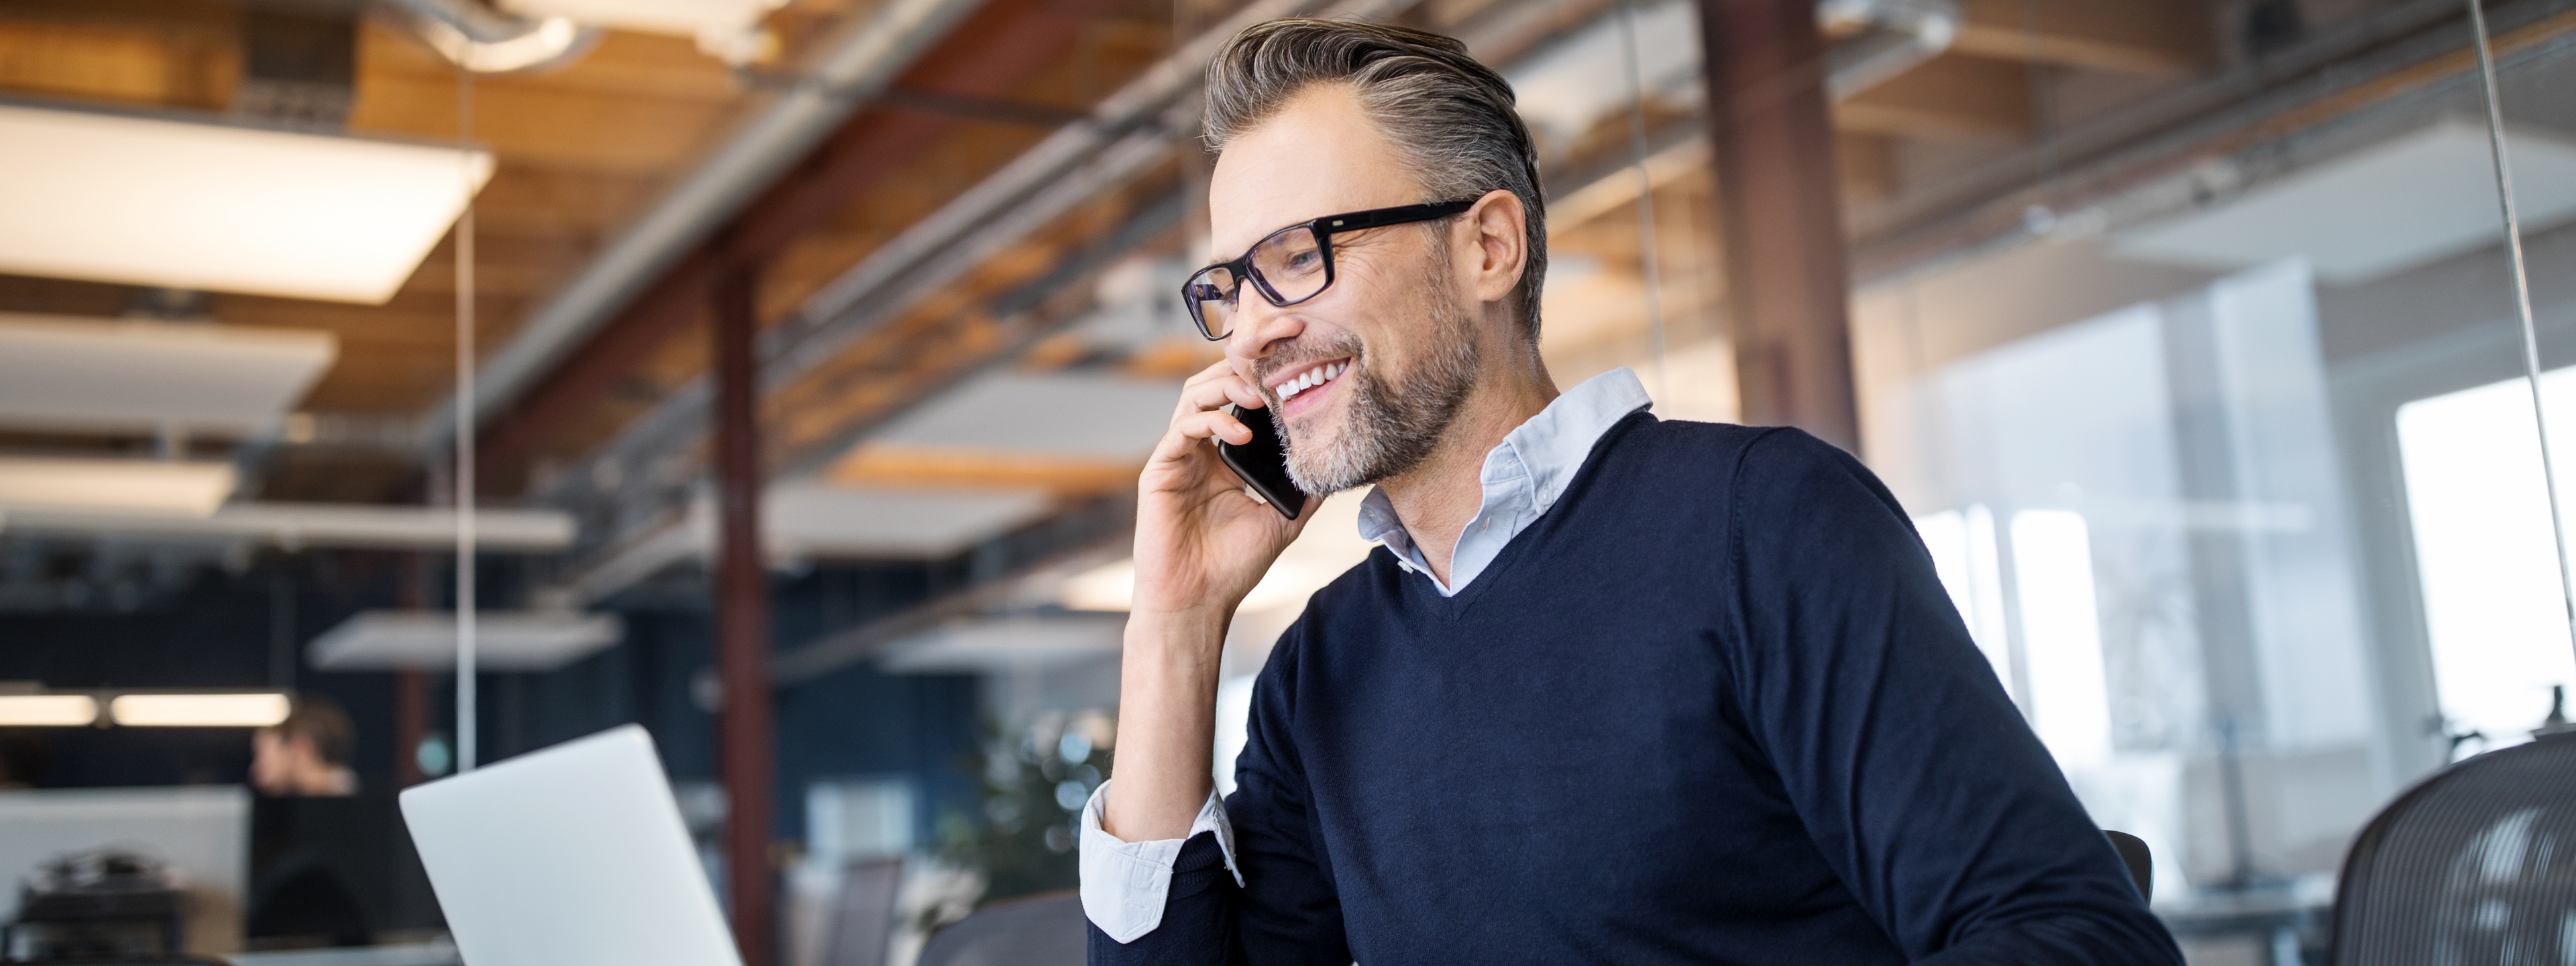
[{"x": 1124, "y": 883}]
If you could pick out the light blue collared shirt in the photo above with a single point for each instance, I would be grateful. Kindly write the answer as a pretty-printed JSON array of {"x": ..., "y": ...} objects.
[
  {"x": 1125, "y": 883},
  {"x": 1522, "y": 477}
]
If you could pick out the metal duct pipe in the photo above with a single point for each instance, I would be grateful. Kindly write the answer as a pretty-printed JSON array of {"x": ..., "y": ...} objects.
[
  {"x": 1124, "y": 133},
  {"x": 486, "y": 41},
  {"x": 861, "y": 66},
  {"x": 1899, "y": 34}
]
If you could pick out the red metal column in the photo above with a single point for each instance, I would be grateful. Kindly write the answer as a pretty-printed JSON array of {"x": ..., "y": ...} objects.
[
  {"x": 1772, "y": 138},
  {"x": 411, "y": 724},
  {"x": 411, "y": 685},
  {"x": 742, "y": 622}
]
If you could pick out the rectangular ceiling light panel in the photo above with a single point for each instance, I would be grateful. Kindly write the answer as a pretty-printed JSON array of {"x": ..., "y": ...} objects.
[
  {"x": 803, "y": 519},
  {"x": 48, "y": 710},
  {"x": 61, "y": 371},
  {"x": 198, "y": 710},
  {"x": 187, "y": 204},
  {"x": 1004, "y": 644},
  {"x": 2408, "y": 201},
  {"x": 389, "y": 640},
  {"x": 159, "y": 489},
  {"x": 1051, "y": 415}
]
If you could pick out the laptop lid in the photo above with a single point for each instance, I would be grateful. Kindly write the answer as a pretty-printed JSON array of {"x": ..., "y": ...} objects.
[{"x": 570, "y": 856}]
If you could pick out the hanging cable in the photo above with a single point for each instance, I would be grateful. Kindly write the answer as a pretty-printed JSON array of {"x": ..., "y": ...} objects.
[
  {"x": 2522, "y": 305},
  {"x": 466, "y": 711},
  {"x": 1647, "y": 255}
]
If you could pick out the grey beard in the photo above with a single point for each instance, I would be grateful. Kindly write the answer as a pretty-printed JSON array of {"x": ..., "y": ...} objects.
[{"x": 1391, "y": 430}]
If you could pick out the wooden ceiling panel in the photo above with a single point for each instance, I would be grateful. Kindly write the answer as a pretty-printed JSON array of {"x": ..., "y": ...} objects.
[
  {"x": 1952, "y": 95},
  {"x": 538, "y": 199},
  {"x": 2138, "y": 36},
  {"x": 547, "y": 125},
  {"x": 945, "y": 468},
  {"x": 194, "y": 70},
  {"x": 622, "y": 64},
  {"x": 59, "y": 296}
]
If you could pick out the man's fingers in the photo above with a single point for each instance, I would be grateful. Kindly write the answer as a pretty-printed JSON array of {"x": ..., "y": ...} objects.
[
  {"x": 1188, "y": 430},
  {"x": 1216, "y": 386}
]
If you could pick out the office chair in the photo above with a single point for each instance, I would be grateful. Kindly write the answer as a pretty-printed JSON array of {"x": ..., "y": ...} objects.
[
  {"x": 1042, "y": 930},
  {"x": 2475, "y": 865},
  {"x": 863, "y": 919},
  {"x": 2141, "y": 862}
]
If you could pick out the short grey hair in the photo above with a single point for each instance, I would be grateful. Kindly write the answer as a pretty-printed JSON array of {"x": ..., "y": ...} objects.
[{"x": 1450, "y": 116}]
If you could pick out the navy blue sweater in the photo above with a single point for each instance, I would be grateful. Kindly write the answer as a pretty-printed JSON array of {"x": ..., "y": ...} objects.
[{"x": 1713, "y": 707}]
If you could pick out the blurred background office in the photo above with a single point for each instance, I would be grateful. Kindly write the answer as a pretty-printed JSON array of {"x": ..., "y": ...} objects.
[{"x": 774, "y": 373}]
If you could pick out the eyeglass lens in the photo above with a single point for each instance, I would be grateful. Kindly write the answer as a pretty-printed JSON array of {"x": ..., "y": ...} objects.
[{"x": 1288, "y": 266}]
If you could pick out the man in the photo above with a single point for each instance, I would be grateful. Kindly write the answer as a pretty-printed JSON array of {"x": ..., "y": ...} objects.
[
  {"x": 307, "y": 754},
  {"x": 299, "y": 897},
  {"x": 1614, "y": 690}
]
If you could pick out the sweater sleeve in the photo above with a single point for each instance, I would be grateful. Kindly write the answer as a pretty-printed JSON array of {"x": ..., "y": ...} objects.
[
  {"x": 1912, "y": 771},
  {"x": 1284, "y": 912}
]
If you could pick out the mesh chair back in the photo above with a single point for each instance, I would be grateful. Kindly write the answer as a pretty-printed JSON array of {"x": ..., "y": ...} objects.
[
  {"x": 1044, "y": 931},
  {"x": 864, "y": 921},
  {"x": 2476, "y": 865}
]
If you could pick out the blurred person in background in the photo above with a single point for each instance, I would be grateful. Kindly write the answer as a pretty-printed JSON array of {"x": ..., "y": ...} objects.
[
  {"x": 305, "y": 755},
  {"x": 300, "y": 894}
]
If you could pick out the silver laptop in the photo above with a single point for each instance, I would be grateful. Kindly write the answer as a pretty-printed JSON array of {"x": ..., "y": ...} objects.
[{"x": 570, "y": 856}]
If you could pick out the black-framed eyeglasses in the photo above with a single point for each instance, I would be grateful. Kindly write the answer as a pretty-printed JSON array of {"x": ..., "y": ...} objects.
[{"x": 1290, "y": 266}]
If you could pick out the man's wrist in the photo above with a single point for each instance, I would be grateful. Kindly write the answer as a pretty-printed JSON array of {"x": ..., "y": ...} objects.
[{"x": 1187, "y": 631}]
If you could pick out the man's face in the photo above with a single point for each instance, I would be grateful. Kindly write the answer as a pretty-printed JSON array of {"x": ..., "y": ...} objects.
[{"x": 1392, "y": 331}]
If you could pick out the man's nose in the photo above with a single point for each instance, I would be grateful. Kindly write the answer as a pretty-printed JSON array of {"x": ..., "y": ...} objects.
[{"x": 1259, "y": 326}]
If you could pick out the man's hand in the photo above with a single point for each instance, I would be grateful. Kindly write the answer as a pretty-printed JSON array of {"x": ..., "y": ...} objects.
[{"x": 1201, "y": 544}]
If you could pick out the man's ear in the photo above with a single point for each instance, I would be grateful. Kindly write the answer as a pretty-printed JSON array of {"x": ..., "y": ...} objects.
[{"x": 1501, "y": 231}]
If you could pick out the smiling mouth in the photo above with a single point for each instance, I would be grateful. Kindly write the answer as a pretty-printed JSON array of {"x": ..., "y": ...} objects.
[{"x": 1315, "y": 375}]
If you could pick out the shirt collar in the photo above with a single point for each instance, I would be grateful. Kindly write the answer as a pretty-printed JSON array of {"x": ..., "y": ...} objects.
[{"x": 1546, "y": 451}]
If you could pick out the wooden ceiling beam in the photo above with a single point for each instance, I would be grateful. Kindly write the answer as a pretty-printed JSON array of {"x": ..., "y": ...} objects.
[{"x": 2131, "y": 36}]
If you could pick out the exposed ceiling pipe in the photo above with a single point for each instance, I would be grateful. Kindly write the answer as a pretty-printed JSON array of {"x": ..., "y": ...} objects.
[
  {"x": 1897, "y": 35},
  {"x": 1125, "y": 134},
  {"x": 487, "y": 41},
  {"x": 859, "y": 67},
  {"x": 1024, "y": 195}
]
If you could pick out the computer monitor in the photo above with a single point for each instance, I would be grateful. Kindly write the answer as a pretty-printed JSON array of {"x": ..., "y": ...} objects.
[{"x": 570, "y": 856}]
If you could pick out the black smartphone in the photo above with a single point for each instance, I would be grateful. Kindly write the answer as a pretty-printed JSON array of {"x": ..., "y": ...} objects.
[{"x": 1263, "y": 463}]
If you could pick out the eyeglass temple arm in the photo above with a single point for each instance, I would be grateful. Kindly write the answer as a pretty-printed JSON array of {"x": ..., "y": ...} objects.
[{"x": 1392, "y": 216}]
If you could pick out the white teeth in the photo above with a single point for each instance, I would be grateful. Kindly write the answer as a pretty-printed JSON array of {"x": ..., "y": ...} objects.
[{"x": 1310, "y": 379}]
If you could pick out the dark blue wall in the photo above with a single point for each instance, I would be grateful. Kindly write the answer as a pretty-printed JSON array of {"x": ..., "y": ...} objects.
[{"x": 217, "y": 632}]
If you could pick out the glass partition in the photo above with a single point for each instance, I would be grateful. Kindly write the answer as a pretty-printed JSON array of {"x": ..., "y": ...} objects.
[{"x": 2225, "y": 452}]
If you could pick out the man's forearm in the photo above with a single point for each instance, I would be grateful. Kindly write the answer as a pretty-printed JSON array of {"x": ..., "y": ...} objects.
[{"x": 1166, "y": 724}]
